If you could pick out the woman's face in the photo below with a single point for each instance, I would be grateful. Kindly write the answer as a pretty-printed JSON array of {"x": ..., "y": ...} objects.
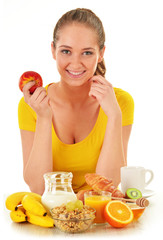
[{"x": 77, "y": 54}]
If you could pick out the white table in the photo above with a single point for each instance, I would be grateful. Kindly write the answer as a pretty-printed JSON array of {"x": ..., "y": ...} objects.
[{"x": 149, "y": 225}]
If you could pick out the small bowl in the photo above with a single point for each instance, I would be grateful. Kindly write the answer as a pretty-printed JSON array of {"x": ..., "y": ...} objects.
[
  {"x": 74, "y": 221},
  {"x": 137, "y": 211}
]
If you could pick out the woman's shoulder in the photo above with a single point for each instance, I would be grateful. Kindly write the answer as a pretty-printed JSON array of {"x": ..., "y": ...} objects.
[
  {"x": 22, "y": 102},
  {"x": 123, "y": 97},
  {"x": 126, "y": 103},
  {"x": 48, "y": 85}
]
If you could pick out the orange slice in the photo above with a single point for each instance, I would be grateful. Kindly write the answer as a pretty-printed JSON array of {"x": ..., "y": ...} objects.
[{"x": 118, "y": 214}]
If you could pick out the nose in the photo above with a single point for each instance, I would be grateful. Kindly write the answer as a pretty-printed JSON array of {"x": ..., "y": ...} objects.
[{"x": 75, "y": 61}]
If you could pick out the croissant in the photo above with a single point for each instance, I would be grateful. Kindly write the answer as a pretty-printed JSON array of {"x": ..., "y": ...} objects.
[{"x": 101, "y": 183}]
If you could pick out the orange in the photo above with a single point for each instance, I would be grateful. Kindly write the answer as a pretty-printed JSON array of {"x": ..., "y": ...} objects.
[{"x": 118, "y": 214}]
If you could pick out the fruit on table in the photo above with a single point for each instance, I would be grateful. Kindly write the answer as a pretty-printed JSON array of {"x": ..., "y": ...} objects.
[
  {"x": 71, "y": 206},
  {"x": 33, "y": 206},
  {"x": 27, "y": 212},
  {"x": 45, "y": 221},
  {"x": 118, "y": 214},
  {"x": 18, "y": 215},
  {"x": 30, "y": 76},
  {"x": 133, "y": 193},
  {"x": 15, "y": 199},
  {"x": 79, "y": 204}
]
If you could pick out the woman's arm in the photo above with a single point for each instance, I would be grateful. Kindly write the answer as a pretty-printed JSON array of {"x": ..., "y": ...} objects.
[
  {"x": 37, "y": 146},
  {"x": 126, "y": 131},
  {"x": 113, "y": 154},
  {"x": 37, "y": 155}
]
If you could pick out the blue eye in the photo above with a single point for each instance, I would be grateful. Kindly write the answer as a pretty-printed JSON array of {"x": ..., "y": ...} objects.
[
  {"x": 65, "y": 51},
  {"x": 87, "y": 53}
]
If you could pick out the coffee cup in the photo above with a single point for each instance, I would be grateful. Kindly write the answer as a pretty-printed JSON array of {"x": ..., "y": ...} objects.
[{"x": 135, "y": 177}]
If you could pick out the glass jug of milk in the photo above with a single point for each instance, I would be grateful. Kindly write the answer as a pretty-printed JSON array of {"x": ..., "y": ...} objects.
[{"x": 58, "y": 189}]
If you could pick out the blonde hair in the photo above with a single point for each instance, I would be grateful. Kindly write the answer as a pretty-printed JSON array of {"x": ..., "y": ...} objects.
[{"x": 87, "y": 17}]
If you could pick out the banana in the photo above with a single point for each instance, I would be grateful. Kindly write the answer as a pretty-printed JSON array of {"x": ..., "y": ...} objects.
[
  {"x": 20, "y": 208},
  {"x": 15, "y": 199},
  {"x": 18, "y": 215},
  {"x": 33, "y": 206},
  {"x": 46, "y": 221}
]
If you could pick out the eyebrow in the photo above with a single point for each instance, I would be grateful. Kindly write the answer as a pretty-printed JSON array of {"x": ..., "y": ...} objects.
[{"x": 65, "y": 46}]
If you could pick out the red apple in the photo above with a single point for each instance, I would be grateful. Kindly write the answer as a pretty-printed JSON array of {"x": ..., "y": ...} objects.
[{"x": 30, "y": 76}]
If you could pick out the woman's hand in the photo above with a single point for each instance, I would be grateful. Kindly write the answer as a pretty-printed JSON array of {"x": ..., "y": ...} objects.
[
  {"x": 38, "y": 101},
  {"x": 103, "y": 91}
]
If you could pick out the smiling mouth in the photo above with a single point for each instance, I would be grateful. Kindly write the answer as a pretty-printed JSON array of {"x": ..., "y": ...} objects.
[{"x": 75, "y": 73}]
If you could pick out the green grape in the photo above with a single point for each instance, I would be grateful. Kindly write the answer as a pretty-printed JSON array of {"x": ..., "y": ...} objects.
[
  {"x": 70, "y": 206},
  {"x": 79, "y": 204}
]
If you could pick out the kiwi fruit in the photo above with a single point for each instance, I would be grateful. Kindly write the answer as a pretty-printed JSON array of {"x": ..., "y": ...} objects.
[{"x": 133, "y": 193}]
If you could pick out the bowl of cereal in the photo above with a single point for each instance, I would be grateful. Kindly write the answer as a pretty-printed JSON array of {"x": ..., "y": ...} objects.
[{"x": 73, "y": 219}]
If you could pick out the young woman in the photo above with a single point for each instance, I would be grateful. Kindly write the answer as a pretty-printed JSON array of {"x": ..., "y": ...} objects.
[{"x": 80, "y": 124}]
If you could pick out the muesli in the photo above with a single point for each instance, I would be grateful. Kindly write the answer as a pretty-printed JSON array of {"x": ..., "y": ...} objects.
[{"x": 77, "y": 220}]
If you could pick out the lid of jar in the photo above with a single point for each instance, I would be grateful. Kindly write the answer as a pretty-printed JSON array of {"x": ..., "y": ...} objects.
[{"x": 57, "y": 175}]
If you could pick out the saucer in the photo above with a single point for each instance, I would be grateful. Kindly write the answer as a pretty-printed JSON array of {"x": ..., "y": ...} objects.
[{"x": 148, "y": 193}]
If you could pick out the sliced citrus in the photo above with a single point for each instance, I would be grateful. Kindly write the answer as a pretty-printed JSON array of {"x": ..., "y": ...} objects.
[{"x": 118, "y": 214}]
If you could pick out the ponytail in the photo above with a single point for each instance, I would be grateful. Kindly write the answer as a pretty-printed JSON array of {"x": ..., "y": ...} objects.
[{"x": 101, "y": 69}]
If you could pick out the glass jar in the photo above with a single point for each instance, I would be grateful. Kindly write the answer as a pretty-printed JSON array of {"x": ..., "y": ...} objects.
[{"x": 58, "y": 189}]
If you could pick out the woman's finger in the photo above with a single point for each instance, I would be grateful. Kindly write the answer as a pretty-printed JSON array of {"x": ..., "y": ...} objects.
[
  {"x": 95, "y": 93},
  {"x": 37, "y": 92},
  {"x": 26, "y": 88},
  {"x": 41, "y": 96},
  {"x": 102, "y": 86},
  {"x": 45, "y": 100},
  {"x": 99, "y": 88},
  {"x": 100, "y": 79}
]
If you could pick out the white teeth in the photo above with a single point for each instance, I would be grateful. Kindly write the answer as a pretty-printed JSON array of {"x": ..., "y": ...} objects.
[{"x": 76, "y": 73}]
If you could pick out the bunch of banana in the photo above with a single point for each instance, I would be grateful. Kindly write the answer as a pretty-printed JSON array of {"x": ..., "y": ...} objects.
[
  {"x": 26, "y": 206},
  {"x": 15, "y": 199},
  {"x": 18, "y": 215}
]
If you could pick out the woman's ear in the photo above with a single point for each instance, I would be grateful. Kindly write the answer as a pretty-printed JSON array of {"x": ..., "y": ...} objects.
[
  {"x": 102, "y": 51},
  {"x": 53, "y": 50}
]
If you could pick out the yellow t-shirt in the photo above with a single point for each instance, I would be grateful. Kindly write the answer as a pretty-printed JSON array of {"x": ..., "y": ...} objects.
[{"x": 79, "y": 158}]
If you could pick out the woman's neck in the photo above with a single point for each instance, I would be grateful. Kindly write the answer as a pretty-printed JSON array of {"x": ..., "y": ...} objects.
[{"x": 74, "y": 96}]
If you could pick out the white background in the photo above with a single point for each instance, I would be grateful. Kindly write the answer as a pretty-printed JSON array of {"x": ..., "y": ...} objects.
[{"x": 134, "y": 61}]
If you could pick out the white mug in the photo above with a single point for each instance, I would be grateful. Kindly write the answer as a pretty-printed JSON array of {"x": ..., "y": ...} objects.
[{"x": 135, "y": 177}]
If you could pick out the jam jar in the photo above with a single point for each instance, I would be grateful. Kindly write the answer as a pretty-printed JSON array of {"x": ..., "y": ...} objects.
[{"x": 58, "y": 189}]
